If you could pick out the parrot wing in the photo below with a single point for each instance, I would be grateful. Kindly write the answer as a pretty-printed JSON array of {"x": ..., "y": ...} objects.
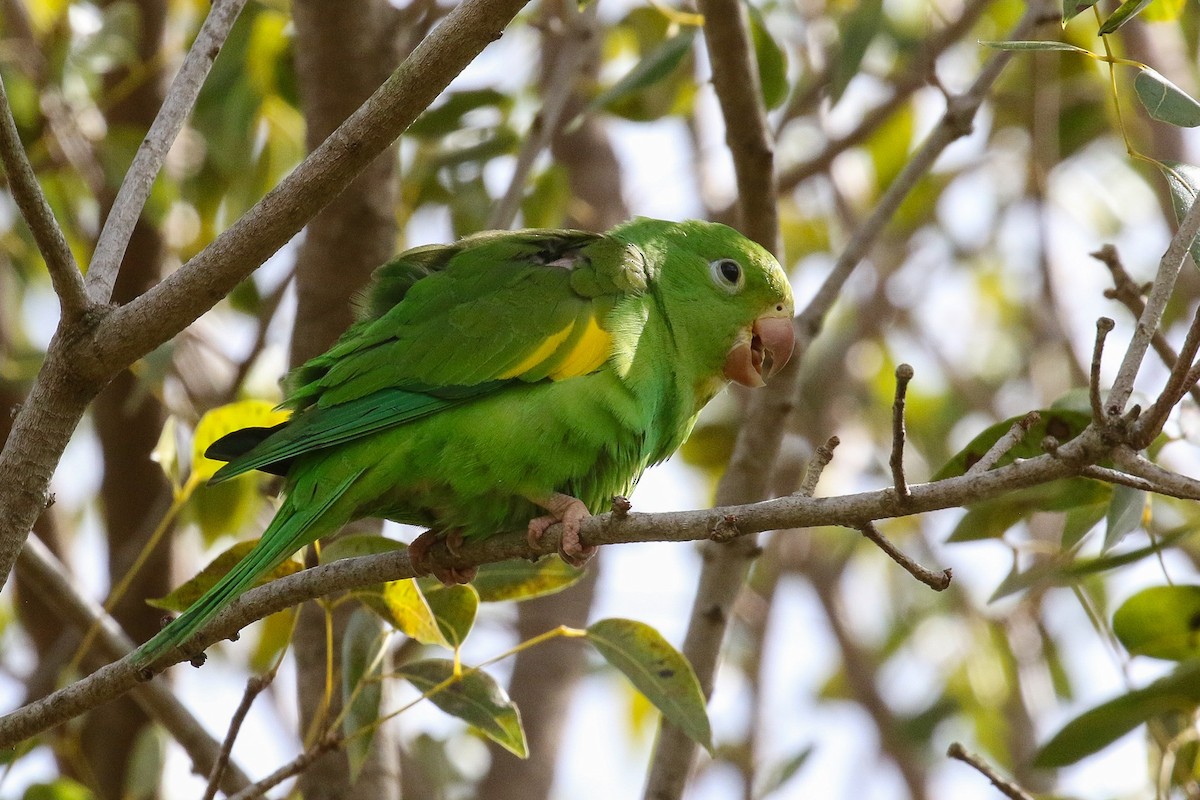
[{"x": 464, "y": 320}]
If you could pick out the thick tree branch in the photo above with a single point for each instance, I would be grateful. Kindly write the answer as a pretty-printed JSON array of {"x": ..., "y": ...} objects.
[
  {"x": 23, "y": 184},
  {"x": 135, "y": 189},
  {"x": 80, "y": 360},
  {"x": 795, "y": 511},
  {"x": 134, "y": 329}
]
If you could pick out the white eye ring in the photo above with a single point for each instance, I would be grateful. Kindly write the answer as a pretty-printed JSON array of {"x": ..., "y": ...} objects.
[{"x": 728, "y": 274}]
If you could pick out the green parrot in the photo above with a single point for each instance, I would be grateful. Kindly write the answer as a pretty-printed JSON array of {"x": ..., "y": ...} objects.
[{"x": 508, "y": 381}]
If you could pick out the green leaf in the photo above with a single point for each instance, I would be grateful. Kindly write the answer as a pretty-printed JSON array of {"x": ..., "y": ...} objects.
[
  {"x": 654, "y": 67},
  {"x": 1124, "y": 514},
  {"x": 522, "y": 580},
  {"x": 191, "y": 591},
  {"x": 1184, "y": 182},
  {"x": 453, "y": 608},
  {"x": 858, "y": 30},
  {"x": 1034, "y": 45},
  {"x": 1125, "y": 12},
  {"x": 990, "y": 519},
  {"x": 1080, "y": 520},
  {"x": 1099, "y": 727},
  {"x": 447, "y": 117},
  {"x": 1165, "y": 101},
  {"x": 362, "y": 669},
  {"x": 1161, "y": 622},
  {"x": 1073, "y": 8},
  {"x": 1063, "y": 424},
  {"x": 771, "y": 59},
  {"x": 657, "y": 670},
  {"x": 474, "y": 698},
  {"x": 358, "y": 544},
  {"x": 779, "y": 774}
]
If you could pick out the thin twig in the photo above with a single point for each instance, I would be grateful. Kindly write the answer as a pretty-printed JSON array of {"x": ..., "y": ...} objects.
[
  {"x": 904, "y": 374},
  {"x": 1014, "y": 436},
  {"x": 254, "y": 688},
  {"x": 1164, "y": 481},
  {"x": 1109, "y": 475},
  {"x": 291, "y": 769},
  {"x": 135, "y": 189},
  {"x": 937, "y": 581},
  {"x": 816, "y": 465},
  {"x": 51, "y": 243},
  {"x": 1151, "y": 423},
  {"x": 1103, "y": 326},
  {"x": 1007, "y": 787},
  {"x": 1156, "y": 303},
  {"x": 1129, "y": 294},
  {"x": 548, "y": 120}
]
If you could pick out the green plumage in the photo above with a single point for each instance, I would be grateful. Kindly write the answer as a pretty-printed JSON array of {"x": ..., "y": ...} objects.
[{"x": 486, "y": 376}]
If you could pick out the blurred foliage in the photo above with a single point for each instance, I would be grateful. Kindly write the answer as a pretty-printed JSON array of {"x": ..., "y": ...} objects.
[{"x": 981, "y": 281}]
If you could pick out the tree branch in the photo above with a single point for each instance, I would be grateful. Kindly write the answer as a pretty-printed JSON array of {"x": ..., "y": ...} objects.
[
  {"x": 23, "y": 184},
  {"x": 795, "y": 511},
  {"x": 49, "y": 578},
  {"x": 135, "y": 189},
  {"x": 138, "y": 327}
]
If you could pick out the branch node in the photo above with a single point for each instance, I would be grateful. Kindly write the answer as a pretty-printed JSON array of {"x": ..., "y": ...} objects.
[
  {"x": 724, "y": 528},
  {"x": 938, "y": 581},
  {"x": 1103, "y": 326},
  {"x": 816, "y": 466},
  {"x": 620, "y": 507},
  {"x": 1050, "y": 445}
]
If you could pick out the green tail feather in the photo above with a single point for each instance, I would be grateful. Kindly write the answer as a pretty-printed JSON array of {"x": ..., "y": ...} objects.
[{"x": 290, "y": 530}]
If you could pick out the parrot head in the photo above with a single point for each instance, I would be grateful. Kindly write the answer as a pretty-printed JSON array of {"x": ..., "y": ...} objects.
[{"x": 726, "y": 298}]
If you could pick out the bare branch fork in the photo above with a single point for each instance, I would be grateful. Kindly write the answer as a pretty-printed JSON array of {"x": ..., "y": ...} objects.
[{"x": 95, "y": 342}]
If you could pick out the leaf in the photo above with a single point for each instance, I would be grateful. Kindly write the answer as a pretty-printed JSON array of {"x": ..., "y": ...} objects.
[
  {"x": 1184, "y": 182},
  {"x": 403, "y": 606},
  {"x": 1124, "y": 514},
  {"x": 654, "y": 67},
  {"x": 190, "y": 592},
  {"x": 447, "y": 116},
  {"x": 1099, "y": 727},
  {"x": 363, "y": 647},
  {"x": 224, "y": 508},
  {"x": 453, "y": 608},
  {"x": 990, "y": 519},
  {"x": 166, "y": 451},
  {"x": 1034, "y": 45},
  {"x": 1063, "y": 424},
  {"x": 1080, "y": 520},
  {"x": 858, "y": 30},
  {"x": 1073, "y": 8},
  {"x": 1164, "y": 11},
  {"x": 1161, "y": 622},
  {"x": 227, "y": 419},
  {"x": 771, "y": 59},
  {"x": 522, "y": 580},
  {"x": 779, "y": 774},
  {"x": 658, "y": 671},
  {"x": 59, "y": 789},
  {"x": 1125, "y": 12},
  {"x": 358, "y": 544},
  {"x": 474, "y": 698},
  {"x": 1165, "y": 101}
]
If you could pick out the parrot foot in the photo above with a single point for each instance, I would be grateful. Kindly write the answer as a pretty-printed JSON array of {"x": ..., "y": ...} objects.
[
  {"x": 571, "y": 512},
  {"x": 418, "y": 556}
]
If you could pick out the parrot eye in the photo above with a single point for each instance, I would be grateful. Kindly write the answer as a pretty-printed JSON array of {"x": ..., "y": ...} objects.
[{"x": 727, "y": 274}]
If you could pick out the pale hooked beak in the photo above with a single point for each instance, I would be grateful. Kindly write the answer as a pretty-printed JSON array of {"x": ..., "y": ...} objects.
[{"x": 761, "y": 351}]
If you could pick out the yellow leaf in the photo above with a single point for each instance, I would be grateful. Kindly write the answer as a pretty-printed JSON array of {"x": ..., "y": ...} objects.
[{"x": 227, "y": 419}]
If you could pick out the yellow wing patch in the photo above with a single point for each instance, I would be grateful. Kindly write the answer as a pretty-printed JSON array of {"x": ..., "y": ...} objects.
[
  {"x": 540, "y": 354},
  {"x": 590, "y": 351}
]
